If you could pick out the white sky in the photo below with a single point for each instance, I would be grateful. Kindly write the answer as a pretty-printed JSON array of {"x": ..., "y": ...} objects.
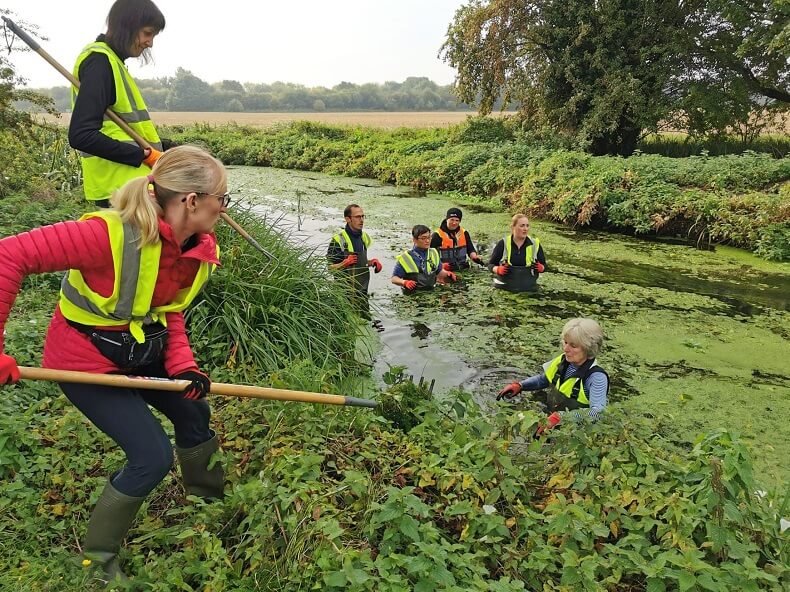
[{"x": 311, "y": 42}]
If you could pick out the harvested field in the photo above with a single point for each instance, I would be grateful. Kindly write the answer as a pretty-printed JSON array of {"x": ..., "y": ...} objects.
[{"x": 380, "y": 119}]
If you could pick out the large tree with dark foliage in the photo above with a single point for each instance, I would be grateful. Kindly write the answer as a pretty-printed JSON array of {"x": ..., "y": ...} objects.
[{"x": 606, "y": 71}]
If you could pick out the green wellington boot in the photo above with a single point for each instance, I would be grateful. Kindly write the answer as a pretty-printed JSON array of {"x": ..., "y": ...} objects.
[
  {"x": 198, "y": 479},
  {"x": 111, "y": 519}
]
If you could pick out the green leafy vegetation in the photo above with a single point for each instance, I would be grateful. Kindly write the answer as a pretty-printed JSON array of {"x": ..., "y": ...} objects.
[{"x": 736, "y": 199}]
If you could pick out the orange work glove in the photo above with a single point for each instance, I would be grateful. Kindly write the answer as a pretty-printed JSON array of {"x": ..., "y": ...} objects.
[
  {"x": 151, "y": 156},
  {"x": 452, "y": 276},
  {"x": 551, "y": 421},
  {"x": 539, "y": 267},
  {"x": 375, "y": 264},
  {"x": 410, "y": 284},
  {"x": 503, "y": 269},
  {"x": 446, "y": 266},
  {"x": 349, "y": 261},
  {"x": 509, "y": 391}
]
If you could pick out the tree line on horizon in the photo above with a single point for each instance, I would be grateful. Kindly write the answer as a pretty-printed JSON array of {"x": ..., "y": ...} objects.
[{"x": 186, "y": 92}]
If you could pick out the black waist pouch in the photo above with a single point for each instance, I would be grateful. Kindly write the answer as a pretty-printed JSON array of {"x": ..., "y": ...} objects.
[{"x": 121, "y": 348}]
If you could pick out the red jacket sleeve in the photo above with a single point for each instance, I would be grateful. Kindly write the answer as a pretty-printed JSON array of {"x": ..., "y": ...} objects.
[
  {"x": 82, "y": 245},
  {"x": 178, "y": 353}
]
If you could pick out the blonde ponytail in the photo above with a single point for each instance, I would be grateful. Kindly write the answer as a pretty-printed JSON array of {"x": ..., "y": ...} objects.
[{"x": 180, "y": 170}]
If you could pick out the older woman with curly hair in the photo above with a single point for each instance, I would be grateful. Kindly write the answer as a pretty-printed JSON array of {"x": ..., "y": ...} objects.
[{"x": 574, "y": 378}]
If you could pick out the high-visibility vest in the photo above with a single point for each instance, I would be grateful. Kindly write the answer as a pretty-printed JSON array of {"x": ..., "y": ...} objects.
[
  {"x": 136, "y": 270},
  {"x": 101, "y": 177},
  {"x": 344, "y": 240},
  {"x": 532, "y": 250},
  {"x": 455, "y": 253},
  {"x": 573, "y": 387},
  {"x": 410, "y": 266}
]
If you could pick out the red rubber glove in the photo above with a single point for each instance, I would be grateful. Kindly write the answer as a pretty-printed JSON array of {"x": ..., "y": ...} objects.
[
  {"x": 376, "y": 264},
  {"x": 539, "y": 267},
  {"x": 452, "y": 276},
  {"x": 503, "y": 269},
  {"x": 410, "y": 284},
  {"x": 509, "y": 391},
  {"x": 551, "y": 421},
  {"x": 151, "y": 156},
  {"x": 199, "y": 384},
  {"x": 9, "y": 371},
  {"x": 349, "y": 261},
  {"x": 446, "y": 266}
]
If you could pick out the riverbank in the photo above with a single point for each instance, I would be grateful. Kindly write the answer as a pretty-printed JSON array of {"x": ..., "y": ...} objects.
[{"x": 734, "y": 200}]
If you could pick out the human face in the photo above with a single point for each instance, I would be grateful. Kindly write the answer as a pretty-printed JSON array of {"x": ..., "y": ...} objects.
[
  {"x": 453, "y": 223},
  {"x": 573, "y": 353},
  {"x": 143, "y": 41},
  {"x": 423, "y": 241},
  {"x": 521, "y": 229},
  {"x": 206, "y": 208},
  {"x": 356, "y": 220}
]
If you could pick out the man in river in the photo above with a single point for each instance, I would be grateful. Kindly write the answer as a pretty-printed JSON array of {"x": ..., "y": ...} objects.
[
  {"x": 420, "y": 268},
  {"x": 348, "y": 256},
  {"x": 454, "y": 244}
]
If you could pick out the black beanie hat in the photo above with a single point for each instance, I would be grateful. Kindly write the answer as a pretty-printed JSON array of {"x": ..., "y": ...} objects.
[{"x": 454, "y": 213}]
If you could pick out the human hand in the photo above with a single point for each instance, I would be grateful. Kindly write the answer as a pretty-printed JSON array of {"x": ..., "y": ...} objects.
[
  {"x": 509, "y": 391},
  {"x": 502, "y": 270},
  {"x": 409, "y": 285},
  {"x": 151, "y": 156},
  {"x": 199, "y": 384},
  {"x": 551, "y": 421},
  {"x": 349, "y": 261},
  {"x": 539, "y": 267},
  {"x": 376, "y": 264},
  {"x": 446, "y": 266},
  {"x": 9, "y": 371},
  {"x": 451, "y": 276}
]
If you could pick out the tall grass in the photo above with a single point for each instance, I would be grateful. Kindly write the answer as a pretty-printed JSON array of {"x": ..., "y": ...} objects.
[{"x": 260, "y": 316}]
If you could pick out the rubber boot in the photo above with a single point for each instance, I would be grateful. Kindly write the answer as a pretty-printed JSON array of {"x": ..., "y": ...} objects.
[
  {"x": 198, "y": 479},
  {"x": 110, "y": 521}
]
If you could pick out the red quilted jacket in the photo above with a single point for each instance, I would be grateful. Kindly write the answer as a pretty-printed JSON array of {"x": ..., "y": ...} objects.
[{"x": 85, "y": 245}]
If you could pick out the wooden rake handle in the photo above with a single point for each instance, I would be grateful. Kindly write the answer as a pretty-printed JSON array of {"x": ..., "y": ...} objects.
[{"x": 166, "y": 384}]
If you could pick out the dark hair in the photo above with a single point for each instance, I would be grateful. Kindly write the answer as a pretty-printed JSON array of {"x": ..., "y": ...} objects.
[
  {"x": 126, "y": 18},
  {"x": 349, "y": 209},
  {"x": 419, "y": 230}
]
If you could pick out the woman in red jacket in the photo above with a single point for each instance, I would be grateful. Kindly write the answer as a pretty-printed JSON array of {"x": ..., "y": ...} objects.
[{"x": 132, "y": 270}]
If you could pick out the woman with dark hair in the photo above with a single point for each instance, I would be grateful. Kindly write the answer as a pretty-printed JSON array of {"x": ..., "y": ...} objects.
[{"x": 110, "y": 157}]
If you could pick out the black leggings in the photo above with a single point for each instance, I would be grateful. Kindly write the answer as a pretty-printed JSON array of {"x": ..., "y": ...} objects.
[{"x": 124, "y": 415}]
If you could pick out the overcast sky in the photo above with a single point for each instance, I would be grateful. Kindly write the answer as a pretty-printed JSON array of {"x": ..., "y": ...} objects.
[{"x": 312, "y": 42}]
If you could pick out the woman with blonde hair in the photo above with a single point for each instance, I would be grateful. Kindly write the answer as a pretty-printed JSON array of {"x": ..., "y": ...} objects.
[
  {"x": 574, "y": 378},
  {"x": 518, "y": 259},
  {"x": 131, "y": 271}
]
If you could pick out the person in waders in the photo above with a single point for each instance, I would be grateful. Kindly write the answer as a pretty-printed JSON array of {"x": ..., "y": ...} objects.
[
  {"x": 454, "y": 244},
  {"x": 517, "y": 260},
  {"x": 109, "y": 156},
  {"x": 576, "y": 383},
  {"x": 348, "y": 255},
  {"x": 131, "y": 271},
  {"x": 420, "y": 268}
]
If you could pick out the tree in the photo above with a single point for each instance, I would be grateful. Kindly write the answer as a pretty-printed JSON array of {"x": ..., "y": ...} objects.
[
  {"x": 597, "y": 70},
  {"x": 189, "y": 93}
]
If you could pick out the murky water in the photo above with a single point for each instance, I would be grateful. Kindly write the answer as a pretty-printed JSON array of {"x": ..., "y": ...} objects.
[{"x": 697, "y": 334}]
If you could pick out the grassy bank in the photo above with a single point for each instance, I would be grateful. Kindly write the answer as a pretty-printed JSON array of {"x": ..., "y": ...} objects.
[{"x": 737, "y": 200}]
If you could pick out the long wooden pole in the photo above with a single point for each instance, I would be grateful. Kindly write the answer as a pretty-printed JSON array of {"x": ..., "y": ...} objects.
[
  {"x": 141, "y": 141},
  {"x": 166, "y": 384}
]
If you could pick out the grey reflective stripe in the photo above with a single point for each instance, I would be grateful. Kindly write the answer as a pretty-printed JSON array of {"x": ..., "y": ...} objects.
[
  {"x": 136, "y": 116},
  {"x": 535, "y": 244},
  {"x": 130, "y": 270}
]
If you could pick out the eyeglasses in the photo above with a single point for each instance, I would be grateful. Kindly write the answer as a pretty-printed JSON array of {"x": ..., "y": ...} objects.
[
  {"x": 224, "y": 198},
  {"x": 360, "y": 217}
]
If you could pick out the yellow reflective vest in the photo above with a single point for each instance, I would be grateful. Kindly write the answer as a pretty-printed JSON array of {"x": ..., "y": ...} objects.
[
  {"x": 409, "y": 266},
  {"x": 573, "y": 387},
  {"x": 136, "y": 270},
  {"x": 531, "y": 255},
  {"x": 100, "y": 176},
  {"x": 344, "y": 241}
]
